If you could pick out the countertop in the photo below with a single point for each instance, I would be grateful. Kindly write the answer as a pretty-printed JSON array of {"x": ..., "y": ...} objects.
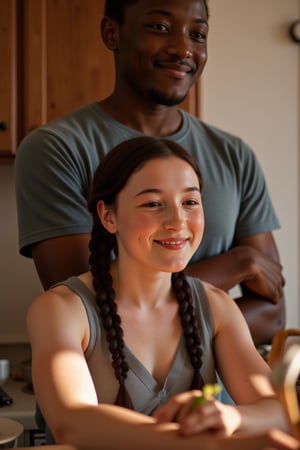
[
  {"x": 48, "y": 447},
  {"x": 23, "y": 407}
]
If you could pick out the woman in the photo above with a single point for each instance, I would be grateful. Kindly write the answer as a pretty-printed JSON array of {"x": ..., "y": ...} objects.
[{"x": 112, "y": 346}]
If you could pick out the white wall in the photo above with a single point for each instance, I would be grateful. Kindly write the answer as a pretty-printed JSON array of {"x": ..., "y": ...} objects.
[
  {"x": 19, "y": 284},
  {"x": 251, "y": 88}
]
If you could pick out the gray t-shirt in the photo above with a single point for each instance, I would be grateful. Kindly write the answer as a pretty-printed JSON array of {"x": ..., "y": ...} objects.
[{"x": 55, "y": 165}]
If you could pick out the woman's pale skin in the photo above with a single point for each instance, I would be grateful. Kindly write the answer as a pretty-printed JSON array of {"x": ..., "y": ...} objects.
[{"x": 158, "y": 223}]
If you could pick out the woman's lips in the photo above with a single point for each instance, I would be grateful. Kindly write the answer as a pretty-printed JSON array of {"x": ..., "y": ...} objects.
[{"x": 172, "y": 244}]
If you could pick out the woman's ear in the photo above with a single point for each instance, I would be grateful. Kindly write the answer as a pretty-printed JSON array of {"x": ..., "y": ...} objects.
[
  {"x": 107, "y": 217},
  {"x": 109, "y": 33}
]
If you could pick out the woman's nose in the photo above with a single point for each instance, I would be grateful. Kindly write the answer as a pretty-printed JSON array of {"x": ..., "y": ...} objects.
[{"x": 174, "y": 218}]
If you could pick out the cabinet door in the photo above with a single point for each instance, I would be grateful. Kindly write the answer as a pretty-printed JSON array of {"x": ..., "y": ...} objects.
[
  {"x": 65, "y": 62},
  {"x": 8, "y": 78}
]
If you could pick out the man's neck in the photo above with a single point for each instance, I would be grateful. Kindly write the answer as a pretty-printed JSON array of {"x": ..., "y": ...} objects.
[{"x": 148, "y": 119}]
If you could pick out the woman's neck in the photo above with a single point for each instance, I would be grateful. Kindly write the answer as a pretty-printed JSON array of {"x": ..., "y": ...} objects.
[{"x": 145, "y": 290}]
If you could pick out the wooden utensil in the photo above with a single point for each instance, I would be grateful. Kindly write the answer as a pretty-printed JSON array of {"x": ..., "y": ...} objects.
[
  {"x": 284, "y": 376},
  {"x": 280, "y": 343}
]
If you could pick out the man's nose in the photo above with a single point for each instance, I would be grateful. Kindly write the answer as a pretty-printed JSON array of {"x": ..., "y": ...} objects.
[{"x": 180, "y": 46}]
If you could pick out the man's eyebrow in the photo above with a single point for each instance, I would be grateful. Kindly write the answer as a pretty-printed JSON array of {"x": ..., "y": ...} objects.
[
  {"x": 158, "y": 11},
  {"x": 159, "y": 191},
  {"x": 163, "y": 12},
  {"x": 202, "y": 21}
]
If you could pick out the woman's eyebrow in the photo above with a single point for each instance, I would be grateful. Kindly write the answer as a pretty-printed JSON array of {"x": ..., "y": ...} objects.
[{"x": 159, "y": 191}]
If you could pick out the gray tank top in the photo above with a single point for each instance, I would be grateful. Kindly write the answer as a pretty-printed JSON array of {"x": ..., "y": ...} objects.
[{"x": 146, "y": 394}]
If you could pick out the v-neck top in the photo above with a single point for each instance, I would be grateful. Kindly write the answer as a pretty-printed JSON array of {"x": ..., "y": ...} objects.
[{"x": 146, "y": 394}]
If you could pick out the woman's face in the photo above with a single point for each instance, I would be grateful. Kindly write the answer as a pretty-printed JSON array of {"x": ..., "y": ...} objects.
[{"x": 159, "y": 220}]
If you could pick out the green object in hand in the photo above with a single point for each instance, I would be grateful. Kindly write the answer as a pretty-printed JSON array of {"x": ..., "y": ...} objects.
[{"x": 209, "y": 390}]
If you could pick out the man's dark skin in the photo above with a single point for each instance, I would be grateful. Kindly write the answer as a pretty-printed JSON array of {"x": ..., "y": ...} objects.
[{"x": 150, "y": 84}]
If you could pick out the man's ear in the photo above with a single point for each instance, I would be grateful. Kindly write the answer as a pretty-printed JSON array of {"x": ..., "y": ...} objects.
[
  {"x": 107, "y": 217},
  {"x": 110, "y": 33}
]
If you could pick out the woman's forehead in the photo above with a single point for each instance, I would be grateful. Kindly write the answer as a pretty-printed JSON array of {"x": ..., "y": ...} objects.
[{"x": 161, "y": 170}]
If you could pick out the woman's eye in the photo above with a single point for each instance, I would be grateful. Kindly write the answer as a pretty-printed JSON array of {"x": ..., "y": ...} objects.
[
  {"x": 191, "y": 202},
  {"x": 151, "y": 204}
]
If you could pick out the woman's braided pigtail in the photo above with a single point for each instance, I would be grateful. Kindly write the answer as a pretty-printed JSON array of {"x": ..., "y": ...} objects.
[
  {"x": 101, "y": 246},
  {"x": 182, "y": 292}
]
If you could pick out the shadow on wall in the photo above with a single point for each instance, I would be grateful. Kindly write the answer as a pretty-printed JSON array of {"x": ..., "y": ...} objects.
[{"x": 19, "y": 281}]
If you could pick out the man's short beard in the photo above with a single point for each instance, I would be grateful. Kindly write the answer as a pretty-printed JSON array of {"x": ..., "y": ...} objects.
[{"x": 161, "y": 99}]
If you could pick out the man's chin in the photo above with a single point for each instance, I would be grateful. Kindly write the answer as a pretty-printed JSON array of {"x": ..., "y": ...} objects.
[{"x": 165, "y": 100}]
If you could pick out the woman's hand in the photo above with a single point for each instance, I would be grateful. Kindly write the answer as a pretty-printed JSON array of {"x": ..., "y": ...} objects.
[{"x": 211, "y": 415}]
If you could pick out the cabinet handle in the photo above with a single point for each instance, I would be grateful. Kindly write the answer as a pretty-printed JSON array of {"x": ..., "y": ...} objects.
[{"x": 3, "y": 126}]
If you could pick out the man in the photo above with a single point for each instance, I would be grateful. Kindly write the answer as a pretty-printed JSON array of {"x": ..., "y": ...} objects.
[{"x": 160, "y": 51}]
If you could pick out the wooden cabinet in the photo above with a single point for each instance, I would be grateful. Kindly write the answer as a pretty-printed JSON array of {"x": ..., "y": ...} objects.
[
  {"x": 65, "y": 62},
  {"x": 8, "y": 77},
  {"x": 52, "y": 61}
]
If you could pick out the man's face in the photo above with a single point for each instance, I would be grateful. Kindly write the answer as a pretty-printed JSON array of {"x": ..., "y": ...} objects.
[{"x": 162, "y": 49}]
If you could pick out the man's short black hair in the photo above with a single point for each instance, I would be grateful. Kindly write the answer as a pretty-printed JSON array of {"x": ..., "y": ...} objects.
[{"x": 115, "y": 9}]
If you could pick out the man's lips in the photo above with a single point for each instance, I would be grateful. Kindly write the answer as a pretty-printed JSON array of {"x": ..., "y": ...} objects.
[{"x": 177, "y": 70}]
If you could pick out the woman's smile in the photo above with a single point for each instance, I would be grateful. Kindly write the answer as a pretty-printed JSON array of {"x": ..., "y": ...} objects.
[{"x": 172, "y": 244}]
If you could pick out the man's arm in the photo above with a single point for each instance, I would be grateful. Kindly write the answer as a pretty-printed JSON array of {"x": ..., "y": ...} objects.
[
  {"x": 264, "y": 318},
  {"x": 253, "y": 263},
  {"x": 58, "y": 258}
]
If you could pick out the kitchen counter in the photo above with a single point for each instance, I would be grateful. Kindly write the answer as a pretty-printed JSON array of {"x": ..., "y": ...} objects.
[
  {"x": 23, "y": 407},
  {"x": 48, "y": 447}
]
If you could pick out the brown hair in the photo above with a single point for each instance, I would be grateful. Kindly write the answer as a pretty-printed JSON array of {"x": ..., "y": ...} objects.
[{"x": 110, "y": 178}]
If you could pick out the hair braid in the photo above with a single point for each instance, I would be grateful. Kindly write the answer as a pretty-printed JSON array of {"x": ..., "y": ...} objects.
[
  {"x": 190, "y": 326},
  {"x": 100, "y": 260}
]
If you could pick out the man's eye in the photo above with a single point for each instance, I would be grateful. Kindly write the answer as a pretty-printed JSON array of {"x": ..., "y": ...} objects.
[
  {"x": 158, "y": 26},
  {"x": 199, "y": 36}
]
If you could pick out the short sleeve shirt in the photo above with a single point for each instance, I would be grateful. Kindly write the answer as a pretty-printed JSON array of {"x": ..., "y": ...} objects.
[{"x": 55, "y": 165}]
